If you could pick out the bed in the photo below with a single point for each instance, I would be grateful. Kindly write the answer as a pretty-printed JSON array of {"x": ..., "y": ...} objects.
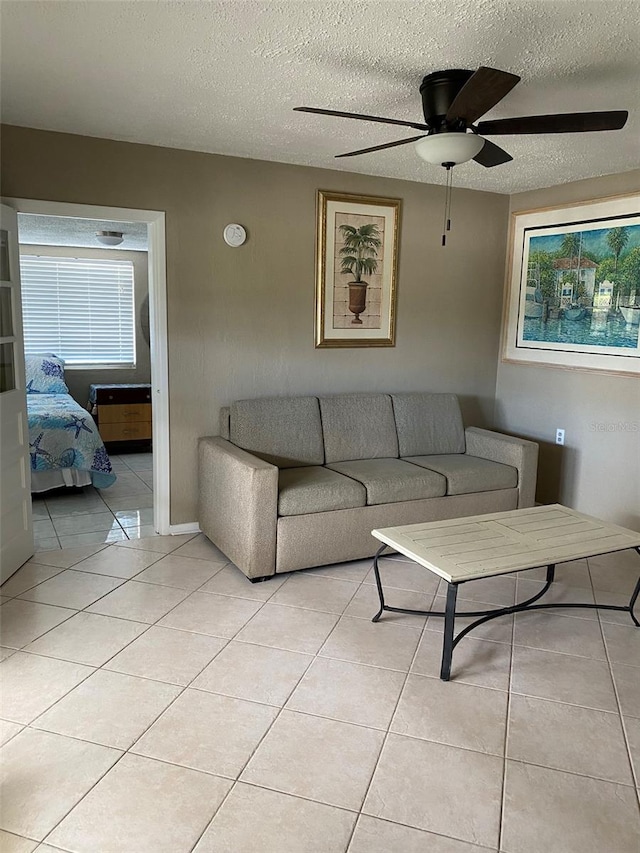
[{"x": 64, "y": 442}]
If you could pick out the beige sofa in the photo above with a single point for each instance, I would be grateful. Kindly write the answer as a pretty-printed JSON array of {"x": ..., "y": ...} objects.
[{"x": 296, "y": 482}]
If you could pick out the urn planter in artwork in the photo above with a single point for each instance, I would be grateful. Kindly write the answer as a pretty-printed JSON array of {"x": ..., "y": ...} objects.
[{"x": 357, "y": 300}]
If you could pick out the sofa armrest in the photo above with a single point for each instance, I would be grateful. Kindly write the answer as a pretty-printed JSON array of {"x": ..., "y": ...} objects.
[
  {"x": 238, "y": 505},
  {"x": 517, "y": 452}
]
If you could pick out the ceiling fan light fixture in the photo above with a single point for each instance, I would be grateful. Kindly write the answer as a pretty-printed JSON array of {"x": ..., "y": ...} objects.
[
  {"x": 450, "y": 148},
  {"x": 109, "y": 238}
]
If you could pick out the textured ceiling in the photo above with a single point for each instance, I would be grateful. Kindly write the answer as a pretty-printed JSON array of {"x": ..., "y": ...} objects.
[
  {"x": 67, "y": 231},
  {"x": 223, "y": 77}
]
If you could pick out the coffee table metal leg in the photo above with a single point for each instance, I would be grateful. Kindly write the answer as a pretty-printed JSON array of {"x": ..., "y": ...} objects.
[
  {"x": 376, "y": 572},
  {"x": 449, "y": 622},
  {"x": 634, "y": 598}
]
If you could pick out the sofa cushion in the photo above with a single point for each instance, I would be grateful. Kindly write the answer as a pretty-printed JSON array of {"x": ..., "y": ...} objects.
[
  {"x": 285, "y": 431},
  {"x": 225, "y": 415},
  {"x": 391, "y": 480},
  {"x": 466, "y": 474},
  {"x": 428, "y": 423},
  {"x": 316, "y": 489},
  {"x": 358, "y": 426}
]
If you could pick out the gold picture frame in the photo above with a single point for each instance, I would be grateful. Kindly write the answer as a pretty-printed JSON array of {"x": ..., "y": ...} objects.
[
  {"x": 356, "y": 270},
  {"x": 572, "y": 294}
]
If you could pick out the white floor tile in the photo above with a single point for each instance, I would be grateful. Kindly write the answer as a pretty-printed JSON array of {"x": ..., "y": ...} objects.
[
  {"x": 31, "y": 684},
  {"x": 7, "y": 731},
  {"x": 116, "y": 502},
  {"x": 78, "y": 504},
  {"x": 244, "y": 651},
  {"x": 166, "y": 654},
  {"x": 155, "y": 542},
  {"x": 144, "y": 806},
  {"x": 95, "y": 522},
  {"x": 23, "y": 621},
  {"x": 67, "y": 558},
  {"x": 44, "y": 775},
  {"x": 142, "y": 531},
  {"x": 255, "y": 820},
  {"x": 140, "y": 602},
  {"x": 180, "y": 572},
  {"x": 72, "y": 589},
  {"x": 43, "y": 528},
  {"x": 27, "y": 577},
  {"x": 49, "y": 543},
  {"x": 118, "y": 562},
  {"x": 88, "y": 638},
  {"x": 113, "y": 534},
  {"x": 10, "y": 843},
  {"x": 134, "y": 517},
  {"x": 207, "y": 732},
  {"x": 108, "y": 708}
]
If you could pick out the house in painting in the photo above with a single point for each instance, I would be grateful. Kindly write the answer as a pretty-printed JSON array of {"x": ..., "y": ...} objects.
[{"x": 575, "y": 279}]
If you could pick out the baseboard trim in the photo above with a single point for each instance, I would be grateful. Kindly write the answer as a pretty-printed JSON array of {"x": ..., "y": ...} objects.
[{"x": 179, "y": 529}]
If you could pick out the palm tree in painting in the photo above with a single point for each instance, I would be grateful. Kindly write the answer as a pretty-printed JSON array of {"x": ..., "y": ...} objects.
[
  {"x": 360, "y": 250},
  {"x": 617, "y": 239},
  {"x": 569, "y": 246},
  {"x": 359, "y": 256}
]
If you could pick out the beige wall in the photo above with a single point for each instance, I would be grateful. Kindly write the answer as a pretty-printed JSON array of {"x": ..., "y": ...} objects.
[
  {"x": 77, "y": 380},
  {"x": 598, "y": 469},
  {"x": 241, "y": 320}
]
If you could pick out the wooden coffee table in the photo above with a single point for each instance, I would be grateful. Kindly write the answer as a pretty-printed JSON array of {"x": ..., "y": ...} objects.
[{"x": 462, "y": 550}]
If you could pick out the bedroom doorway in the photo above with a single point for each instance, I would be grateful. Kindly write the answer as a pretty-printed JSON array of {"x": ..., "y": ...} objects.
[
  {"x": 16, "y": 535},
  {"x": 138, "y": 503}
]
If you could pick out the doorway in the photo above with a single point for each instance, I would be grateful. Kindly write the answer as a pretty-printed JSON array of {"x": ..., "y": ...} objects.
[{"x": 140, "y": 498}]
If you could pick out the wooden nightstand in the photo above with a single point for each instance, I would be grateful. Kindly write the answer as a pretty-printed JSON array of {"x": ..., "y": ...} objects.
[{"x": 122, "y": 413}]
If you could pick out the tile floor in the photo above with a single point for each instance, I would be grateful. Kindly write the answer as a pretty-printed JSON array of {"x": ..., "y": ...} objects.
[
  {"x": 155, "y": 700},
  {"x": 66, "y": 518}
]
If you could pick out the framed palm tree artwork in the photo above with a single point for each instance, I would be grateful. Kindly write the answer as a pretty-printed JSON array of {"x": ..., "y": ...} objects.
[
  {"x": 573, "y": 286},
  {"x": 356, "y": 270}
]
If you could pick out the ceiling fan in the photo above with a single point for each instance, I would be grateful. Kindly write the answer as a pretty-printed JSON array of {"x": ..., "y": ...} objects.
[{"x": 454, "y": 99}]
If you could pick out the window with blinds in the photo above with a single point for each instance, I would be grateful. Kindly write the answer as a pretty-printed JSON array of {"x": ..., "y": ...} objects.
[{"x": 80, "y": 309}]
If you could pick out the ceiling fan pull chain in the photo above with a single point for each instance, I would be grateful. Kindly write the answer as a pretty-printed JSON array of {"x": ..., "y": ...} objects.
[{"x": 446, "y": 225}]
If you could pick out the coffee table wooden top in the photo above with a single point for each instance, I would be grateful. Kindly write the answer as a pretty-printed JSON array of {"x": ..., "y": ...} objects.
[{"x": 462, "y": 549}]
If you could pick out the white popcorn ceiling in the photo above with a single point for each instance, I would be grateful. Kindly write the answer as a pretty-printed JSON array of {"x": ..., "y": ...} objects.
[
  {"x": 222, "y": 77},
  {"x": 34, "y": 229}
]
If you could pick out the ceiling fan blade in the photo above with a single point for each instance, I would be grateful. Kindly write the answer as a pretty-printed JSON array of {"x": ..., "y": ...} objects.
[
  {"x": 381, "y": 147},
  {"x": 361, "y": 117},
  {"x": 482, "y": 91},
  {"x": 560, "y": 123},
  {"x": 492, "y": 155}
]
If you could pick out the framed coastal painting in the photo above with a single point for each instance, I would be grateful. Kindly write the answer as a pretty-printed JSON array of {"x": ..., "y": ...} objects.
[
  {"x": 356, "y": 269},
  {"x": 573, "y": 286}
]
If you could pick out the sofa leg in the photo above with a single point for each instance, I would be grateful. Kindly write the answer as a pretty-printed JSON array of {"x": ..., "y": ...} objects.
[{"x": 263, "y": 578}]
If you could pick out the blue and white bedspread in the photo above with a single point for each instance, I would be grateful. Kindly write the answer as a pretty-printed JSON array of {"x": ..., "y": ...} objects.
[{"x": 64, "y": 435}]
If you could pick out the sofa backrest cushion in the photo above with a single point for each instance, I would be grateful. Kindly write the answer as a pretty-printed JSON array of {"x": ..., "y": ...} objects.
[
  {"x": 285, "y": 431},
  {"x": 358, "y": 426},
  {"x": 224, "y": 422},
  {"x": 428, "y": 424}
]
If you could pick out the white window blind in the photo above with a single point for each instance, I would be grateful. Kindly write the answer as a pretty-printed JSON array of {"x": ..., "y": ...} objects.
[{"x": 80, "y": 309}]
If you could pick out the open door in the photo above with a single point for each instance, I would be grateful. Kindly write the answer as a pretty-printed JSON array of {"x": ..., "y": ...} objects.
[{"x": 16, "y": 528}]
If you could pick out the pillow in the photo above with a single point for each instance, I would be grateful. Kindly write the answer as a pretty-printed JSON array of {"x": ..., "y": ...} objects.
[{"x": 45, "y": 374}]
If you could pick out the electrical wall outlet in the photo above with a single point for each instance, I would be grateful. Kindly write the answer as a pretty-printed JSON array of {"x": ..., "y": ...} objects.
[{"x": 559, "y": 436}]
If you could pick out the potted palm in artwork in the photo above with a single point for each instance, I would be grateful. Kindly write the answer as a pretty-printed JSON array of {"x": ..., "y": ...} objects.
[{"x": 359, "y": 257}]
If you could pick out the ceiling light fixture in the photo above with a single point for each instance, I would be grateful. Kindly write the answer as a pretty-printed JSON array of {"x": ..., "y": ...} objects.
[
  {"x": 449, "y": 150},
  {"x": 110, "y": 238}
]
